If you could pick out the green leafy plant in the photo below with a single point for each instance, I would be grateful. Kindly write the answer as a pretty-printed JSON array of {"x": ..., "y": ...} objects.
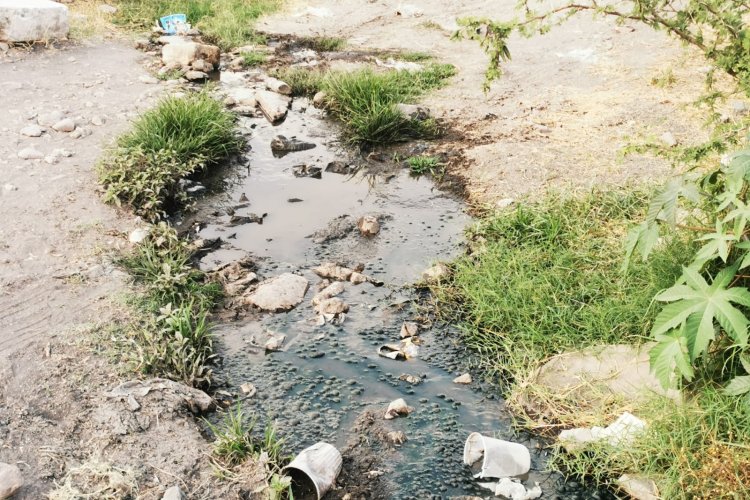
[
  {"x": 322, "y": 43},
  {"x": 701, "y": 318},
  {"x": 252, "y": 59},
  {"x": 420, "y": 165}
]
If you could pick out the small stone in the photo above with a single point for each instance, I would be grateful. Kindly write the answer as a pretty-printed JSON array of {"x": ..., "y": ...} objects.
[
  {"x": 4, "y": 47},
  {"x": 368, "y": 225},
  {"x": 248, "y": 389},
  {"x": 411, "y": 379},
  {"x": 98, "y": 120},
  {"x": 275, "y": 342},
  {"x": 333, "y": 305},
  {"x": 9, "y": 187},
  {"x": 739, "y": 108},
  {"x": 331, "y": 290},
  {"x": 32, "y": 131},
  {"x": 396, "y": 437},
  {"x": 319, "y": 99},
  {"x": 463, "y": 379},
  {"x": 668, "y": 139},
  {"x": 409, "y": 329},
  {"x": 30, "y": 154},
  {"x": 202, "y": 65},
  {"x": 65, "y": 125},
  {"x": 436, "y": 273},
  {"x": 281, "y": 293},
  {"x": 414, "y": 112},
  {"x": 138, "y": 235},
  {"x": 638, "y": 487},
  {"x": 148, "y": 79},
  {"x": 56, "y": 154},
  {"x": 80, "y": 132},
  {"x": 11, "y": 480},
  {"x": 50, "y": 118},
  {"x": 396, "y": 408},
  {"x": 173, "y": 493},
  {"x": 194, "y": 76},
  {"x": 505, "y": 203},
  {"x": 357, "y": 278}
]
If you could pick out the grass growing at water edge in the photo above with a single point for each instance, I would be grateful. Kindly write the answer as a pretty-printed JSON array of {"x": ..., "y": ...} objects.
[
  {"x": 227, "y": 23},
  {"x": 546, "y": 278}
]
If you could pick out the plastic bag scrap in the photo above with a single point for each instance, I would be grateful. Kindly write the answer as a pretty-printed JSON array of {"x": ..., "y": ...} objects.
[
  {"x": 513, "y": 490},
  {"x": 621, "y": 432},
  {"x": 174, "y": 24}
]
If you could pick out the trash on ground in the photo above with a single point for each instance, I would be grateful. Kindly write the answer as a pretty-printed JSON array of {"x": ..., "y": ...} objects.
[
  {"x": 621, "y": 432},
  {"x": 490, "y": 457},
  {"x": 513, "y": 490},
  {"x": 314, "y": 470},
  {"x": 406, "y": 349},
  {"x": 397, "y": 408},
  {"x": 174, "y": 24}
]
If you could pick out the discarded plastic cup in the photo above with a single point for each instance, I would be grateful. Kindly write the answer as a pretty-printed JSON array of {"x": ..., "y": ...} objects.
[
  {"x": 497, "y": 458},
  {"x": 314, "y": 471}
]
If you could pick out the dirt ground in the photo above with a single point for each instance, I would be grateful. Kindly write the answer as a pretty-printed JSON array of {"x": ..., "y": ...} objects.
[{"x": 558, "y": 117}]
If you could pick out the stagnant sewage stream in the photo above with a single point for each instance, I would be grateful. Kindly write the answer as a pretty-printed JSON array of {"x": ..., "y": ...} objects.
[{"x": 317, "y": 388}]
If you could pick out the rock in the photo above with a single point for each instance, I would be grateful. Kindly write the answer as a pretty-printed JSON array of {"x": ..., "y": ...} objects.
[
  {"x": 201, "y": 65},
  {"x": 195, "y": 399},
  {"x": 194, "y": 76},
  {"x": 437, "y": 272},
  {"x": 333, "y": 271},
  {"x": 183, "y": 52},
  {"x": 98, "y": 120},
  {"x": 248, "y": 389},
  {"x": 358, "y": 278},
  {"x": 368, "y": 225},
  {"x": 668, "y": 139},
  {"x": 409, "y": 329},
  {"x": 148, "y": 79},
  {"x": 396, "y": 437},
  {"x": 463, "y": 379},
  {"x": 107, "y": 9},
  {"x": 333, "y": 305},
  {"x": 340, "y": 167},
  {"x": 32, "y": 131},
  {"x": 505, "y": 203},
  {"x": 65, "y": 125},
  {"x": 414, "y": 112},
  {"x": 320, "y": 99},
  {"x": 50, "y": 118},
  {"x": 242, "y": 96},
  {"x": 173, "y": 493},
  {"x": 328, "y": 292},
  {"x": 406, "y": 349},
  {"x": 281, "y": 144},
  {"x": 9, "y": 187},
  {"x": 30, "y": 154},
  {"x": 80, "y": 132},
  {"x": 139, "y": 235},
  {"x": 638, "y": 487},
  {"x": 276, "y": 85},
  {"x": 281, "y": 293},
  {"x": 307, "y": 171},
  {"x": 739, "y": 108},
  {"x": 56, "y": 154},
  {"x": 591, "y": 379},
  {"x": 32, "y": 20},
  {"x": 4, "y": 47},
  {"x": 275, "y": 342},
  {"x": 274, "y": 106},
  {"x": 11, "y": 480},
  {"x": 411, "y": 379},
  {"x": 397, "y": 408}
]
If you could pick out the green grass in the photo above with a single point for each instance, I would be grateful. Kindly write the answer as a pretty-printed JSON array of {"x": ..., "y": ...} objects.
[
  {"x": 227, "y": 23},
  {"x": 252, "y": 59},
  {"x": 414, "y": 56},
  {"x": 420, "y": 165},
  {"x": 699, "y": 449},
  {"x": 322, "y": 43},
  {"x": 177, "y": 139},
  {"x": 546, "y": 279},
  {"x": 365, "y": 101}
]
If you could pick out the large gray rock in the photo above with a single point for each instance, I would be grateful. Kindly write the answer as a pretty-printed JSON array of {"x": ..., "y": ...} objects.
[
  {"x": 281, "y": 293},
  {"x": 32, "y": 20},
  {"x": 11, "y": 480}
]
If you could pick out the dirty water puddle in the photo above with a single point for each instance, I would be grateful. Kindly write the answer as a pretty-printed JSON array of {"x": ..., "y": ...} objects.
[{"x": 289, "y": 213}]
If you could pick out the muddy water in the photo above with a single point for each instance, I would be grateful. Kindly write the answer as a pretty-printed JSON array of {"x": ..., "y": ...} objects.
[{"x": 326, "y": 376}]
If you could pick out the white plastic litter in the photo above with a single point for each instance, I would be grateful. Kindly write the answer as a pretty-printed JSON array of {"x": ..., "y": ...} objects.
[
  {"x": 499, "y": 459},
  {"x": 621, "y": 432}
]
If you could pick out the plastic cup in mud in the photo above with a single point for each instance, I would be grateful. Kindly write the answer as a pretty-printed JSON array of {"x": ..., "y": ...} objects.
[
  {"x": 314, "y": 471},
  {"x": 490, "y": 457}
]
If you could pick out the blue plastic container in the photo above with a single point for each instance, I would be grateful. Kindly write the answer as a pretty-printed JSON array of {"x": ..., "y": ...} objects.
[{"x": 173, "y": 23}]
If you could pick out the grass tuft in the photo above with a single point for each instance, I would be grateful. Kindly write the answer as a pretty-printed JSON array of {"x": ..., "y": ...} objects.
[
  {"x": 252, "y": 59},
  {"x": 546, "y": 278},
  {"x": 420, "y": 165},
  {"x": 322, "y": 43},
  {"x": 227, "y": 23},
  {"x": 304, "y": 82}
]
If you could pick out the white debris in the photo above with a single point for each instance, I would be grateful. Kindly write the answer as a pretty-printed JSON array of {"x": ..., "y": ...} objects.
[
  {"x": 32, "y": 20},
  {"x": 138, "y": 235},
  {"x": 513, "y": 490},
  {"x": 621, "y": 432}
]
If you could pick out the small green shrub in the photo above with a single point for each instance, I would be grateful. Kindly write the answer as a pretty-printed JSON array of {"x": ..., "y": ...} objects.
[
  {"x": 252, "y": 59},
  {"x": 228, "y": 23},
  {"x": 322, "y": 43},
  {"x": 304, "y": 82},
  {"x": 420, "y": 165},
  {"x": 195, "y": 126},
  {"x": 414, "y": 56}
]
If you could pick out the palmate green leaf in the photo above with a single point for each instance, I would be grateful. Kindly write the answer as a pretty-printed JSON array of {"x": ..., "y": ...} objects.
[
  {"x": 669, "y": 353},
  {"x": 740, "y": 215},
  {"x": 642, "y": 238},
  {"x": 738, "y": 171},
  {"x": 663, "y": 206},
  {"x": 695, "y": 307},
  {"x": 717, "y": 246},
  {"x": 738, "y": 386}
]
